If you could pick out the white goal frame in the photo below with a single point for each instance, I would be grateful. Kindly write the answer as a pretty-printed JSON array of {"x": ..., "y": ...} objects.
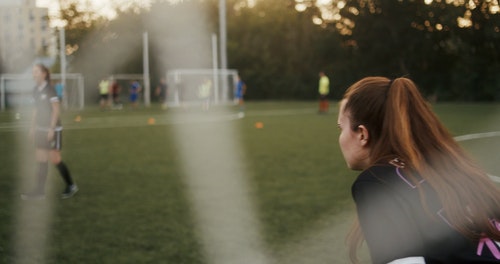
[
  {"x": 73, "y": 96},
  {"x": 182, "y": 80}
]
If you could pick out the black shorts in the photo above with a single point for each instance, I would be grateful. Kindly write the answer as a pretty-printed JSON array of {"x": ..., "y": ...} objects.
[
  {"x": 41, "y": 141},
  {"x": 104, "y": 96}
]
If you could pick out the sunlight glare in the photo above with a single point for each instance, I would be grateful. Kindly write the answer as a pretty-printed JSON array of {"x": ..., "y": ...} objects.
[
  {"x": 471, "y": 5},
  {"x": 494, "y": 9},
  {"x": 317, "y": 20},
  {"x": 300, "y": 7},
  {"x": 251, "y": 3},
  {"x": 324, "y": 2},
  {"x": 465, "y": 21},
  {"x": 225, "y": 216},
  {"x": 33, "y": 219},
  {"x": 106, "y": 9},
  {"x": 354, "y": 11}
]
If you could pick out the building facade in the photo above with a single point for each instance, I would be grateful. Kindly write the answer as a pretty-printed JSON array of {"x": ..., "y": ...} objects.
[{"x": 24, "y": 34}]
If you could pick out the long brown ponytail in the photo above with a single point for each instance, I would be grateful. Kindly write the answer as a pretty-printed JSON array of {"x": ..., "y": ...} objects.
[{"x": 401, "y": 124}]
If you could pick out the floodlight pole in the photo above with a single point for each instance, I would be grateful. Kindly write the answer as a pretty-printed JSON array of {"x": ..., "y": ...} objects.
[
  {"x": 215, "y": 68},
  {"x": 147, "y": 97},
  {"x": 223, "y": 34},
  {"x": 223, "y": 43}
]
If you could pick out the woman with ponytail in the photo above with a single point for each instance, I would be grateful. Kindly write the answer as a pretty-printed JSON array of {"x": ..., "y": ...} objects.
[
  {"x": 46, "y": 131},
  {"x": 419, "y": 198}
]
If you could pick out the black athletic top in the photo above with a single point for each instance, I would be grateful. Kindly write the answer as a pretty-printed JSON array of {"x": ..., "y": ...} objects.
[
  {"x": 43, "y": 106},
  {"x": 397, "y": 226}
]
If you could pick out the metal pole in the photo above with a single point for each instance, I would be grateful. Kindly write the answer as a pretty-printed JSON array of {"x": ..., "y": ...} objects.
[
  {"x": 2, "y": 93},
  {"x": 147, "y": 94},
  {"x": 223, "y": 41},
  {"x": 223, "y": 33},
  {"x": 81, "y": 91},
  {"x": 215, "y": 68}
]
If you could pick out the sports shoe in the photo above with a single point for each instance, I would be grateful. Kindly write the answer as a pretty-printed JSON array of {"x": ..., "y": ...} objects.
[
  {"x": 69, "y": 191},
  {"x": 33, "y": 196}
]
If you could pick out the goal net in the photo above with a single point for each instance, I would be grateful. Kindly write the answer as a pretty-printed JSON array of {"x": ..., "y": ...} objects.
[
  {"x": 16, "y": 90},
  {"x": 185, "y": 86}
]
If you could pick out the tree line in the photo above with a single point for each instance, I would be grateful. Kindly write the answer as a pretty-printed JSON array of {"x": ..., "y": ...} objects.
[{"x": 450, "y": 49}]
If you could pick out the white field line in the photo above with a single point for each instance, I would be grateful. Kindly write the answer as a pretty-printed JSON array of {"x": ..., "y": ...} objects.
[
  {"x": 494, "y": 178},
  {"x": 141, "y": 120},
  {"x": 479, "y": 136}
]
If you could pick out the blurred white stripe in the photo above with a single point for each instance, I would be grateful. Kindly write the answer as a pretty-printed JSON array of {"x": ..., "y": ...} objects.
[
  {"x": 410, "y": 260},
  {"x": 477, "y": 135}
]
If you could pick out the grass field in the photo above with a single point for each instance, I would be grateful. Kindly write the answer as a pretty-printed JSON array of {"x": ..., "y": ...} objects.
[{"x": 136, "y": 197}]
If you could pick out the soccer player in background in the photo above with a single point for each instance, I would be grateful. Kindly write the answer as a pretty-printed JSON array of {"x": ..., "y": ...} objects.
[
  {"x": 46, "y": 130},
  {"x": 115, "y": 92},
  {"x": 323, "y": 90},
  {"x": 204, "y": 92},
  {"x": 104, "y": 94},
  {"x": 135, "y": 89},
  {"x": 241, "y": 89},
  {"x": 161, "y": 91}
]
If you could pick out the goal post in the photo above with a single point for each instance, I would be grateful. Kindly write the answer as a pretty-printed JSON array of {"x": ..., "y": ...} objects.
[
  {"x": 16, "y": 90},
  {"x": 184, "y": 84}
]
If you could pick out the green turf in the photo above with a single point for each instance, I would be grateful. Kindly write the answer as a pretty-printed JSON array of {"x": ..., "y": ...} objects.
[{"x": 133, "y": 206}]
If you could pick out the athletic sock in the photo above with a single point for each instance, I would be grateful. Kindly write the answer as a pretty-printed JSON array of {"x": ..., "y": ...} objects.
[
  {"x": 41, "y": 174},
  {"x": 63, "y": 170}
]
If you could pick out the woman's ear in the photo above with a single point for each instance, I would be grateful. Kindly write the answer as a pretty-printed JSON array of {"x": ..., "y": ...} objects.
[{"x": 363, "y": 135}]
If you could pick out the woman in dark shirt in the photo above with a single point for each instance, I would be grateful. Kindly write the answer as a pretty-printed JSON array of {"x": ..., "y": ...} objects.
[
  {"x": 420, "y": 198},
  {"x": 46, "y": 130}
]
